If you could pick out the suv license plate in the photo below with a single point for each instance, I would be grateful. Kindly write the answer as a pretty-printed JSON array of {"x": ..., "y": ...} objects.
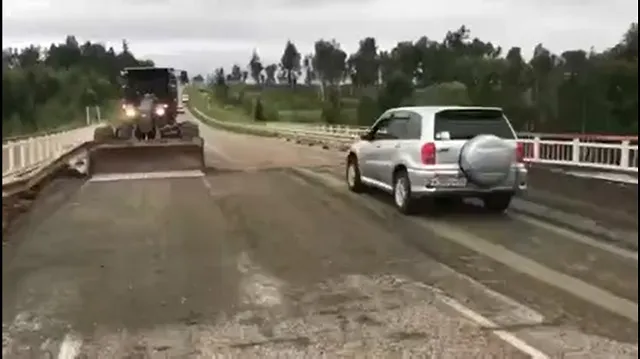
[{"x": 452, "y": 182}]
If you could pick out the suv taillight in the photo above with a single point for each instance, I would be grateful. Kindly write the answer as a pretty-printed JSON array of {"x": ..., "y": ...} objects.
[
  {"x": 428, "y": 153},
  {"x": 519, "y": 152}
]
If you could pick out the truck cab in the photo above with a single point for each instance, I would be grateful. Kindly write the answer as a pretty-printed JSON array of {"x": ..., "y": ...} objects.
[{"x": 160, "y": 82}]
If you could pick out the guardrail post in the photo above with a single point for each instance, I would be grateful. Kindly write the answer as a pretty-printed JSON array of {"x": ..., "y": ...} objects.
[
  {"x": 39, "y": 149},
  {"x": 536, "y": 148},
  {"x": 12, "y": 156},
  {"x": 47, "y": 146},
  {"x": 624, "y": 154},
  {"x": 575, "y": 150},
  {"x": 23, "y": 153},
  {"x": 31, "y": 153}
]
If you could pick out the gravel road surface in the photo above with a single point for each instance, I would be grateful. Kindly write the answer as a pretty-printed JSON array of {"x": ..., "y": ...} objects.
[{"x": 267, "y": 255}]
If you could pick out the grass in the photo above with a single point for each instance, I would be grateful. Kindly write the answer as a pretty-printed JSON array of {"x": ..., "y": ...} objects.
[
  {"x": 224, "y": 117},
  {"x": 281, "y": 98},
  {"x": 206, "y": 103},
  {"x": 109, "y": 113},
  {"x": 203, "y": 100}
]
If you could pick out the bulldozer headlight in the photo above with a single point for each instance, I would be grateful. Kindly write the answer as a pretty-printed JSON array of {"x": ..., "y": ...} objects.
[
  {"x": 160, "y": 111},
  {"x": 129, "y": 111}
]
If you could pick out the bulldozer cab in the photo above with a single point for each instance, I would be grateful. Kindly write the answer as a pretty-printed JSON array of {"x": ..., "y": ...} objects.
[{"x": 148, "y": 80}]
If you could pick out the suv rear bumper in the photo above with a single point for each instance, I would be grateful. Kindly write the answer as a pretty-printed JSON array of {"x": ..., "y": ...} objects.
[{"x": 441, "y": 182}]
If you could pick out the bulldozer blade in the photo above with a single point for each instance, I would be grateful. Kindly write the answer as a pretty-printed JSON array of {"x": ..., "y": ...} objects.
[{"x": 153, "y": 156}]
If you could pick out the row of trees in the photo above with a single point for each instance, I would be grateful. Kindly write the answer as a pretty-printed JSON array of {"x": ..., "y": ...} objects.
[
  {"x": 576, "y": 90},
  {"x": 44, "y": 88}
]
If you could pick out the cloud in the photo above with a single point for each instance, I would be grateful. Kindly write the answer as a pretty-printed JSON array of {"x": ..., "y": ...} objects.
[{"x": 202, "y": 34}]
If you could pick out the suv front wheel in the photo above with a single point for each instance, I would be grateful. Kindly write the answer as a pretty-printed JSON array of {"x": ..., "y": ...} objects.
[{"x": 352, "y": 174}]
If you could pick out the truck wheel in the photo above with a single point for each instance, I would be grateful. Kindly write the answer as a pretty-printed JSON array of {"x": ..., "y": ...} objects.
[
  {"x": 138, "y": 134},
  {"x": 124, "y": 132},
  {"x": 172, "y": 119},
  {"x": 189, "y": 130},
  {"x": 103, "y": 133}
]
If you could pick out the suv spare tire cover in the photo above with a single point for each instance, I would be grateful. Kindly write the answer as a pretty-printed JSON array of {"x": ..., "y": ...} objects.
[{"x": 486, "y": 160}]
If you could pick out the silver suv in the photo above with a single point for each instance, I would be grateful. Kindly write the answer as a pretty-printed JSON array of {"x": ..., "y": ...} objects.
[{"x": 439, "y": 152}]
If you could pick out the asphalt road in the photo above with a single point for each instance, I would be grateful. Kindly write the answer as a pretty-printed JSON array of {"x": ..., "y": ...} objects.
[{"x": 267, "y": 255}]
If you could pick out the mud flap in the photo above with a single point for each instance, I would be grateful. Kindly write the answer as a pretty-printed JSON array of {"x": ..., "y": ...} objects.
[{"x": 160, "y": 155}]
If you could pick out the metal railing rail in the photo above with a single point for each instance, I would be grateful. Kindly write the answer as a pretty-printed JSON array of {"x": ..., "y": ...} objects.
[{"x": 24, "y": 155}]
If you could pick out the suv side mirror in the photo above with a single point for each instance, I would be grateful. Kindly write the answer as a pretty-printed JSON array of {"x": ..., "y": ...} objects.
[{"x": 366, "y": 136}]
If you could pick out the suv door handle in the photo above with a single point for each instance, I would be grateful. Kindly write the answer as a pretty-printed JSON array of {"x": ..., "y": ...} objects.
[
  {"x": 446, "y": 149},
  {"x": 397, "y": 146}
]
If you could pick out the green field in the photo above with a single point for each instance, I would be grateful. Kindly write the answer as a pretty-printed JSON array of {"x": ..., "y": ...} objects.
[
  {"x": 303, "y": 104},
  {"x": 282, "y": 104}
]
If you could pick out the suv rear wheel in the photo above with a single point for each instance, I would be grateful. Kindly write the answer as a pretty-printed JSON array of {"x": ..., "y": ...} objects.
[{"x": 402, "y": 193}]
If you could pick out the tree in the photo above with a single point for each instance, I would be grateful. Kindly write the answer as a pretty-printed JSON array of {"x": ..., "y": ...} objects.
[
  {"x": 184, "y": 77},
  {"x": 221, "y": 89},
  {"x": 576, "y": 90},
  {"x": 270, "y": 71},
  {"x": 309, "y": 70},
  {"x": 329, "y": 62},
  {"x": 236, "y": 73},
  {"x": 255, "y": 67},
  {"x": 46, "y": 88},
  {"x": 396, "y": 91},
  {"x": 290, "y": 62},
  {"x": 330, "y": 65},
  {"x": 365, "y": 64}
]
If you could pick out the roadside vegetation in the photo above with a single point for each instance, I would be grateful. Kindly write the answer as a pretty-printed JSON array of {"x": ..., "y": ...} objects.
[
  {"x": 45, "y": 89},
  {"x": 574, "y": 91}
]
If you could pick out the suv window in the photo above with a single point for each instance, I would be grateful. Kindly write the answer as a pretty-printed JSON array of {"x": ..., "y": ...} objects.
[
  {"x": 414, "y": 127},
  {"x": 397, "y": 128},
  {"x": 466, "y": 124}
]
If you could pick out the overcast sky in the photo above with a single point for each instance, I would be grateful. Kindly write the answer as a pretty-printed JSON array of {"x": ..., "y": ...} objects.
[{"x": 199, "y": 35}]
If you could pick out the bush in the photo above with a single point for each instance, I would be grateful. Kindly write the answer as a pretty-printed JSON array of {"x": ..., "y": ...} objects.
[
  {"x": 270, "y": 113},
  {"x": 396, "y": 91},
  {"x": 444, "y": 94},
  {"x": 368, "y": 111},
  {"x": 258, "y": 112},
  {"x": 247, "y": 104},
  {"x": 331, "y": 107}
]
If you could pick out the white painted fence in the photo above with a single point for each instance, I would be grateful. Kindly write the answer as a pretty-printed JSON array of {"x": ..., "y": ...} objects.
[
  {"x": 26, "y": 153},
  {"x": 21, "y": 155},
  {"x": 612, "y": 153}
]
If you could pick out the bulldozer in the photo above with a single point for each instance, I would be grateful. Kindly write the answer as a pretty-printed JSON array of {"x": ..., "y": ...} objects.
[{"x": 147, "y": 137}]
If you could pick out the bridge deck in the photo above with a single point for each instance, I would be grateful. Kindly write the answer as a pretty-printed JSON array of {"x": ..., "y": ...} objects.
[{"x": 263, "y": 260}]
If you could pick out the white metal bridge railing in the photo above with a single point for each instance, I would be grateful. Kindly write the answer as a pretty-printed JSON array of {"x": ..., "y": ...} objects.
[
  {"x": 588, "y": 151},
  {"x": 611, "y": 154},
  {"x": 23, "y": 155}
]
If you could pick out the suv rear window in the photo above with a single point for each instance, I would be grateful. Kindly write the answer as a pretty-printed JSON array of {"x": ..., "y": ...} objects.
[{"x": 466, "y": 124}]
